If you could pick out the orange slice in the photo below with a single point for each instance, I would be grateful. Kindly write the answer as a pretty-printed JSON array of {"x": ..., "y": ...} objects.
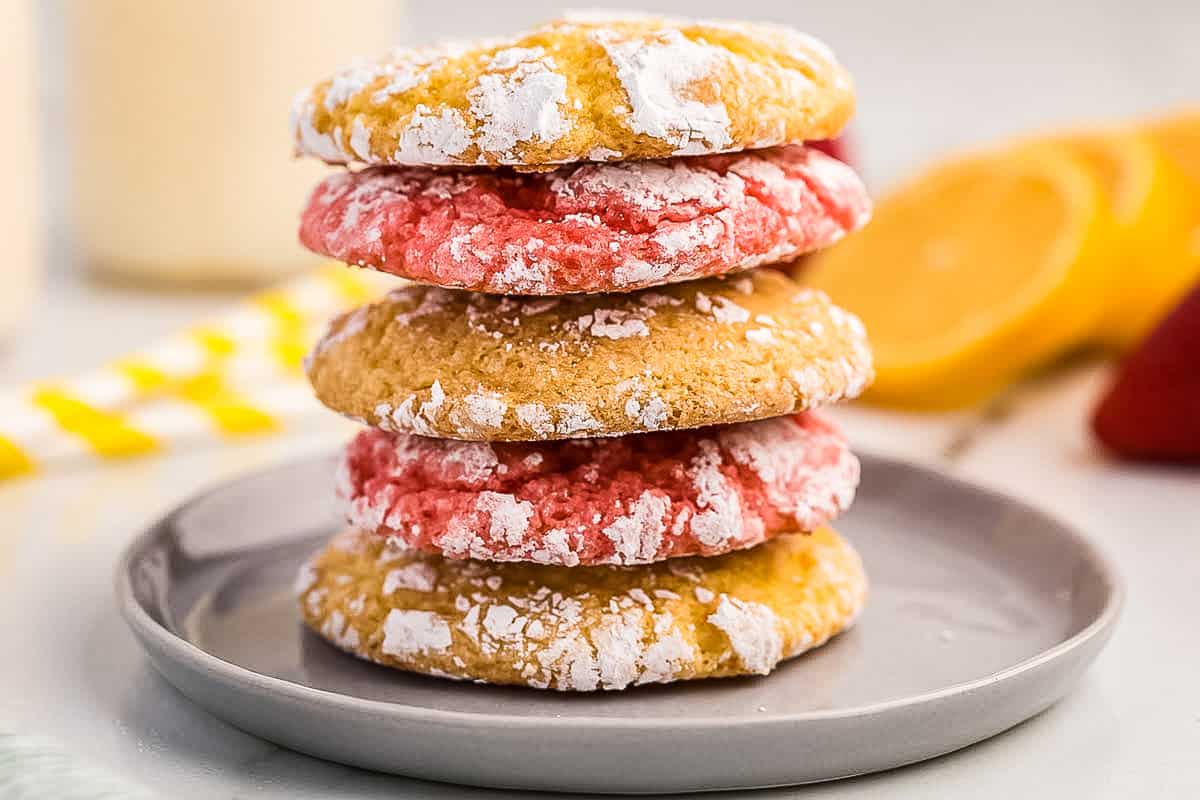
[
  {"x": 1179, "y": 136},
  {"x": 1174, "y": 247},
  {"x": 1151, "y": 206},
  {"x": 975, "y": 272}
]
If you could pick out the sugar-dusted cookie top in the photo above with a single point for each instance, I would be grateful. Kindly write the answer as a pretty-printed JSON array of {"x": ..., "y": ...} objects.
[
  {"x": 582, "y": 88},
  {"x": 461, "y": 365}
]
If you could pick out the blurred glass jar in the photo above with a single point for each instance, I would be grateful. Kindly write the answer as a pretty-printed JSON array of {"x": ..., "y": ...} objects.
[
  {"x": 182, "y": 168},
  {"x": 20, "y": 206}
]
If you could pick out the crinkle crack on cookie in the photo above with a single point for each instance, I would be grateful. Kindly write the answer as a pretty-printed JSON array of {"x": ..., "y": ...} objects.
[
  {"x": 581, "y": 89},
  {"x": 461, "y": 365},
  {"x": 587, "y": 228},
  {"x": 626, "y": 500},
  {"x": 583, "y": 628}
]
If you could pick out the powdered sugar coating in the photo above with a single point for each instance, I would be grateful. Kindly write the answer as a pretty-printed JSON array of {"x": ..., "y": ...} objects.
[
  {"x": 585, "y": 628},
  {"x": 658, "y": 76},
  {"x": 628, "y": 500},
  {"x": 633, "y": 87},
  {"x": 408, "y": 632},
  {"x": 520, "y": 100},
  {"x": 585, "y": 228},
  {"x": 416, "y": 576},
  {"x": 753, "y": 633}
]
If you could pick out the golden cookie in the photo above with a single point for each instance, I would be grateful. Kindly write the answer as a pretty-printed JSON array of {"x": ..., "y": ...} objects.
[
  {"x": 460, "y": 365},
  {"x": 583, "y": 628},
  {"x": 582, "y": 88}
]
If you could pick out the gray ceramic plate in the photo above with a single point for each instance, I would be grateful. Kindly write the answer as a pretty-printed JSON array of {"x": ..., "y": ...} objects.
[{"x": 983, "y": 613}]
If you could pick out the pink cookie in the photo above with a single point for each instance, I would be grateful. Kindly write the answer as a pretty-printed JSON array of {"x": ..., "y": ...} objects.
[
  {"x": 628, "y": 500},
  {"x": 586, "y": 228}
]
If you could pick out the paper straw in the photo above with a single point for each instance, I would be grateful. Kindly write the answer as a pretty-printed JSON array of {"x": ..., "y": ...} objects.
[{"x": 240, "y": 374}]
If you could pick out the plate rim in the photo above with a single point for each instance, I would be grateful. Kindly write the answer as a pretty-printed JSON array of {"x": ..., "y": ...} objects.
[{"x": 149, "y": 630}]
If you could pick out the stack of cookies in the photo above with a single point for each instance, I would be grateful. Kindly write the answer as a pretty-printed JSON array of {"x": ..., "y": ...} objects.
[{"x": 591, "y": 459}]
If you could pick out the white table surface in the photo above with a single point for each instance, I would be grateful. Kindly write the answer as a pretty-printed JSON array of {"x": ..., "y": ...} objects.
[{"x": 72, "y": 672}]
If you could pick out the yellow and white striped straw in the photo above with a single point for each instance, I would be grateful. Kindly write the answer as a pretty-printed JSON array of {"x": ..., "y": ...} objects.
[{"x": 240, "y": 374}]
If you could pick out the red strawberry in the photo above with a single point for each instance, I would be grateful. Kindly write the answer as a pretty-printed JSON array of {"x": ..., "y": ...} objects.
[{"x": 1152, "y": 411}]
